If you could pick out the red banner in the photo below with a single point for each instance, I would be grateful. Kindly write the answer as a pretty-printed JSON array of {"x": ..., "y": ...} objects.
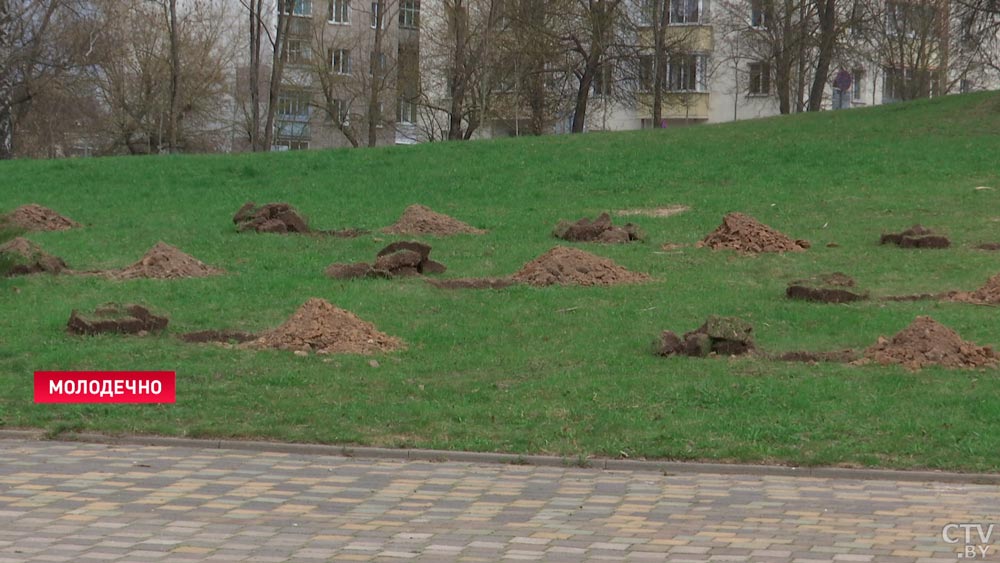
[{"x": 105, "y": 387}]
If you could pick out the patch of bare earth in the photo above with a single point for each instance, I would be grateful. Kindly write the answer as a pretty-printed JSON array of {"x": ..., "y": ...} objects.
[
  {"x": 29, "y": 258},
  {"x": 743, "y": 233},
  {"x": 571, "y": 266},
  {"x": 667, "y": 211},
  {"x": 320, "y": 327},
  {"x": 472, "y": 283},
  {"x": 34, "y": 217},
  {"x": 916, "y": 236},
  {"x": 421, "y": 220},
  {"x": 927, "y": 342},
  {"x": 166, "y": 262},
  {"x": 988, "y": 294}
]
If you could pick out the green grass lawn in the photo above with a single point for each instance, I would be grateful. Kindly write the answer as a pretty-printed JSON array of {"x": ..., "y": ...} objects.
[{"x": 561, "y": 370}]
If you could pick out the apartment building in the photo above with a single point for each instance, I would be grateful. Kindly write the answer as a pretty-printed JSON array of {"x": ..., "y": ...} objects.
[{"x": 344, "y": 73}]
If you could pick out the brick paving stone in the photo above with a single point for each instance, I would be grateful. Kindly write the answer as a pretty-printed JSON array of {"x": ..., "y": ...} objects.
[{"x": 85, "y": 502}]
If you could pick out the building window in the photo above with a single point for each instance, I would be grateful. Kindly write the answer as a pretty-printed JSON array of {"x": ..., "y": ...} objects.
[
  {"x": 294, "y": 106},
  {"x": 296, "y": 7},
  {"x": 376, "y": 7},
  {"x": 645, "y": 15},
  {"x": 758, "y": 13},
  {"x": 378, "y": 64},
  {"x": 760, "y": 79},
  {"x": 685, "y": 11},
  {"x": 409, "y": 14},
  {"x": 686, "y": 73},
  {"x": 339, "y": 10},
  {"x": 407, "y": 111},
  {"x": 858, "y": 85},
  {"x": 965, "y": 86},
  {"x": 289, "y": 145},
  {"x": 340, "y": 60},
  {"x": 296, "y": 51},
  {"x": 339, "y": 111},
  {"x": 646, "y": 76}
]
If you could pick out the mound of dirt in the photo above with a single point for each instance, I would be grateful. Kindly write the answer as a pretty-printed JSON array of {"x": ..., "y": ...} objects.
[
  {"x": 570, "y": 266},
  {"x": 743, "y": 233},
  {"x": 166, "y": 262},
  {"x": 320, "y": 327},
  {"x": 217, "y": 336},
  {"x": 269, "y": 218},
  {"x": 34, "y": 217},
  {"x": 916, "y": 236},
  {"x": 597, "y": 230},
  {"x": 420, "y": 220},
  {"x": 29, "y": 258},
  {"x": 989, "y": 294},
  {"x": 826, "y": 288},
  {"x": 115, "y": 318},
  {"x": 403, "y": 258},
  {"x": 927, "y": 342},
  {"x": 472, "y": 283},
  {"x": 727, "y": 336}
]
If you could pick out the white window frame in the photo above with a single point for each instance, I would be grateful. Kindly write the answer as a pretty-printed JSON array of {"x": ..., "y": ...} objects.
[
  {"x": 339, "y": 12},
  {"x": 300, "y": 8},
  {"x": 758, "y": 14},
  {"x": 409, "y": 14},
  {"x": 858, "y": 87},
  {"x": 340, "y": 61},
  {"x": 686, "y": 16},
  {"x": 763, "y": 74}
]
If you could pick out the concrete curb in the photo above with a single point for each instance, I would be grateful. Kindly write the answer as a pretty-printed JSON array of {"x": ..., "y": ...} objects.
[{"x": 600, "y": 464}]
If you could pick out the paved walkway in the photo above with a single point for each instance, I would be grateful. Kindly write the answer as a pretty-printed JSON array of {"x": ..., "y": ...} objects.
[{"x": 88, "y": 503}]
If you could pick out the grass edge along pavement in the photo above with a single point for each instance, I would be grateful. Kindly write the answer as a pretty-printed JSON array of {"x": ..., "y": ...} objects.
[
  {"x": 564, "y": 371},
  {"x": 663, "y": 467}
]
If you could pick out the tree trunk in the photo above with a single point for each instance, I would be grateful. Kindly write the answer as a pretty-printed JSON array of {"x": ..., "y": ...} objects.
[
  {"x": 661, "y": 16},
  {"x": 6, "y": 86},
  {"x": 783, "y": 62},
  {"x": 277, "y": 70},
  {"x": 582, "y": 97},
  {"x": 377, "y": 76},
  {"x": 175, "y": 71},
  {"x": 458, "y": 72},
  {"x": 256, "y": 12},
  {"x": 827, "y": 40}
]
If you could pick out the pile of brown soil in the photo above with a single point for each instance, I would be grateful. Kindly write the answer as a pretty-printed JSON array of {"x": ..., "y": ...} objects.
[
  {"x": 916, "y": 236},
  {"x": 743, "y": 233},
  {"x": 826, "y": 288},
  {"x": 34, "y": 217},
  {"x": 269, "y": 218},
  {"x": 472, "y": 283},
  {"x": 928, "y": 342},
  {"x": 727, "y": 336},
  {"x": 166, "y": 262},
  {"x": 989, "y": 294},
  {"x": 320, "y": 327},
  {"x": 404, "y": 258},
  {"x": 420, "y": 220},
  {"x": 29, "y": 258},
  {"x": 597, "y": 230},
  {"x": 115, "y": 318},
  {"x": 989, "y": 246},
  {"x": 570, "y": 266},
  {"x": 217, "y": 336}
]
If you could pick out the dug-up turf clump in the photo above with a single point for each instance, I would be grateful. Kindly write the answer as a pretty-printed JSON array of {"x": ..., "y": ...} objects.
[
  {"x": 826, "y": 288},
  {"x": 323, "y": 328},
  {"x": 916, "y": 236},
  {"x": 116, "y": 318},
  {"x": 989, "y": 294},
  {"x": 269, "y": 218},
  {"x": 927, "y": 342},
  {"x": 597, "y": 230},
  {"x": 571, "y": 266},
  {"x": 34, "y": 217},
  {"x": 722, "y": 336},
  {"x": 743, "y": 233},
  {"x": 25, "y": 257},
  {"x": 164, "y": 261},
  {"x": 404, "y": 258},
  {"x": 421, "y": 220}
]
